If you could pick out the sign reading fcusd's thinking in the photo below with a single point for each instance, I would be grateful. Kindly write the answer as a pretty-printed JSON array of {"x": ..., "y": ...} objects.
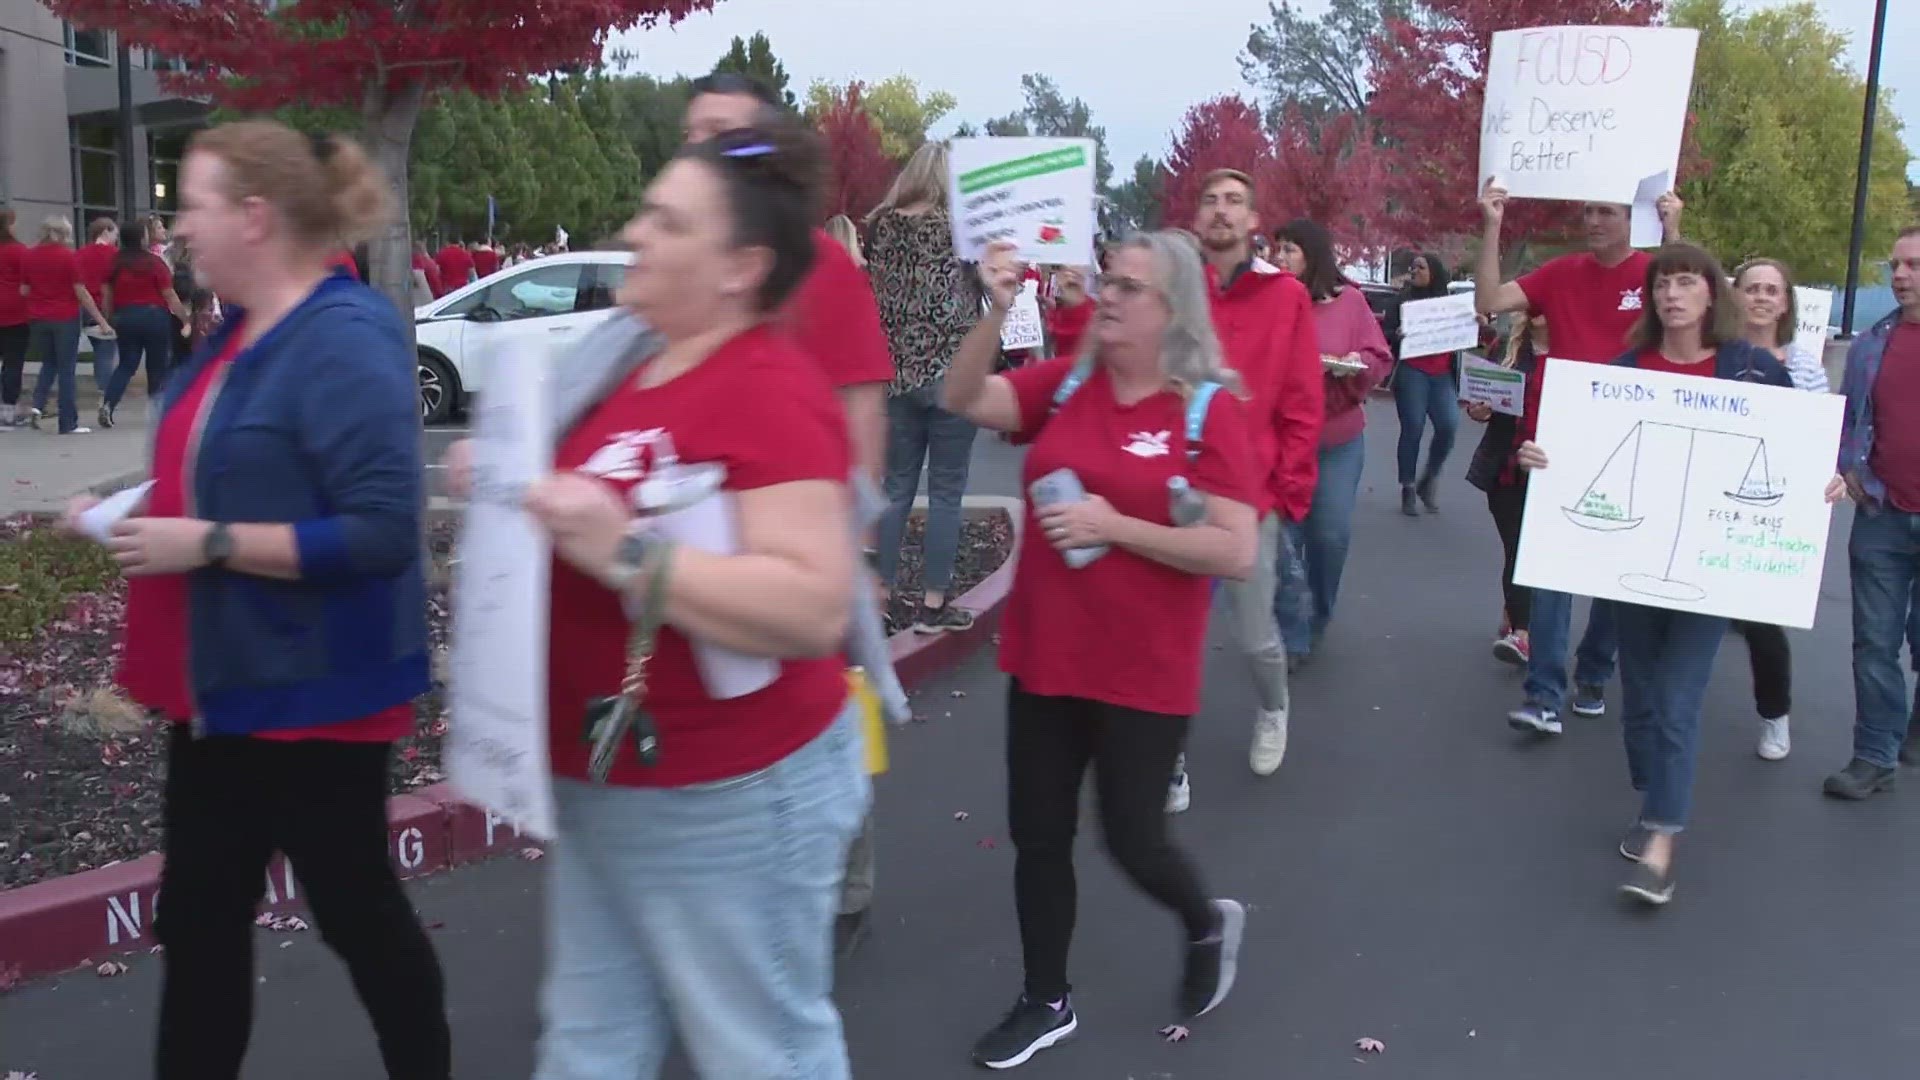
[{"x": 1037, "y": 193}]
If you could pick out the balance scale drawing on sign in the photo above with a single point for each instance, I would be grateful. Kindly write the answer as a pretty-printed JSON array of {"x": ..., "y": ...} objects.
[{"x": 1608, "y": 503}]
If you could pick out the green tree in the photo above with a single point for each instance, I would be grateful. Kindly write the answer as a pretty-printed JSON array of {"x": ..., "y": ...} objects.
[
  {"x": 1323, "y": 66},
  {"x": 650, "y": 113},
  {"x": 1049, "y": 112},
  {"x": 1777, "y": 112},
  {"x": 754, "y": 58},
  {"x": 898, "y": 107},
  {"x": 1135, "y": 203}
]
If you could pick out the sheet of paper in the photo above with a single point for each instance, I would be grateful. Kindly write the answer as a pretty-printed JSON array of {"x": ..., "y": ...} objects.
[
  {"x": 1584, "y": 112},
  {"x": 1483, "y": 382},
  {"x": 1023, "y": 329},
  {"x": 1644, "y": 224},
  {"x": 497, "y": 739},
  {"x": 1443, "y": 324},
  {"x": 1681, "y": 492},
  {"x": 1038, "y": 193},
  {"x": 1815, "y": 310},
  {"x": 98, "y": 521}
]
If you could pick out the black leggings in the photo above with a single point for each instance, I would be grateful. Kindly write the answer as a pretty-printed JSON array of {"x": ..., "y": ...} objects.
[
  {"x": 230, "y": 803},
  {"x": 1050, "y": 743},
  {"x": 1505, "y": 503},
  {"x": 1772, "y": 663},
  {"x": 13, "y": 362}
]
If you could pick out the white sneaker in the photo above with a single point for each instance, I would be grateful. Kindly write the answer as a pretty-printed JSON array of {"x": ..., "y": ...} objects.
[
  {"x": 83, "y": 430},
  {"x": 1179, "y": 789},
  {"x": 1269, "y": 742},
  {"x": 1775, "y": 741}
]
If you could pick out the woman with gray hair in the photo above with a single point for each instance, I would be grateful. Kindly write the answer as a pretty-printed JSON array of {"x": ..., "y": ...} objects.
[
  {"x": 51, "y": 281},
  {"x": 1142, "y": 480}
]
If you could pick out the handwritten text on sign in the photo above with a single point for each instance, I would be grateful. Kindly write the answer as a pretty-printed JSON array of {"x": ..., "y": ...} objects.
[
  {"x": 1815, "y": 309},
  {"x": 1443, "y": 324},
  {"x": 497, "y": 740},
  {"x": 1037, "y": 193},
  {"x": 1681, "y": 491},
  {"x": 1023, "y": 330},
  {"x": 1585, "y": 112},
  {"x": 1502, "y": 389}
]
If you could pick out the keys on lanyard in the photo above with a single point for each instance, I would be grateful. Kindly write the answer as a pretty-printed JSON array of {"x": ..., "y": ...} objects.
[{"x": 609, "y": 720}]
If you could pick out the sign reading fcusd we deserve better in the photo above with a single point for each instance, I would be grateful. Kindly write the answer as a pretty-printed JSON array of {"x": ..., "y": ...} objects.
[
  {"x": 1585, "y": 112},
  {"x": 1037, "y": 193}
]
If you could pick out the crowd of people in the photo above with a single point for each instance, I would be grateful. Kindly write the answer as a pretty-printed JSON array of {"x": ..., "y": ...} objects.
[{"x": 1193, "y": 427}]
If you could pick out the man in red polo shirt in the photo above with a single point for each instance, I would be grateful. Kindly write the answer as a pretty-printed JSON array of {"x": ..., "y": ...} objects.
[{"x": 1265, "y": 321}]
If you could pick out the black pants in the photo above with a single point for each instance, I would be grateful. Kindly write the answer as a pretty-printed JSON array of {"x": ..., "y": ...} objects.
[
  {"x": 230, "y": 803},
  {"x": 1772, "y": 663},
  {"x": 1505, "y": 503},
  {"x": 1050, "y": 743},
  {"x": 13, "y": 362}
]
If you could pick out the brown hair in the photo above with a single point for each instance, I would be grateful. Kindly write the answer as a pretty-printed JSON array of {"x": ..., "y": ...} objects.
[
  {"x": 6, "y": 224},
  {"x": 1721, "y": 322},
  {"x": 1911, "y": 230},
  {"x": 1235, "y": 175},
  {"x": 328, "y": 189},
  {"x": 1789, "y": 322},
  {"x": 100, "y": 227}
]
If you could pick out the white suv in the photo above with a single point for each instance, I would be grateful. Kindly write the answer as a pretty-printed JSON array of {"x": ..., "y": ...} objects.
[{"x": 530, "y": 308}]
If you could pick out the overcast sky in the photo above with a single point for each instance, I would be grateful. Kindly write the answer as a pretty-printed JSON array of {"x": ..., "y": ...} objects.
[{"x": 1139, "y": 64}]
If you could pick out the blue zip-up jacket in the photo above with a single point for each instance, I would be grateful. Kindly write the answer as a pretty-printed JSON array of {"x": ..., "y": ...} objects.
[
  {"x": 1856, "y": 425},
  {"x": 1734, "y": 360},
  {"x": 314, "y": 425}
]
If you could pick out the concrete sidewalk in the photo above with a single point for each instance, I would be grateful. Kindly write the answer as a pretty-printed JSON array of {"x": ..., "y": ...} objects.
[{"x": 41, "y": 470}]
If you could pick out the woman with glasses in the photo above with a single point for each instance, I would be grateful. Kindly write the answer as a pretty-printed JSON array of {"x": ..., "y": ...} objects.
[{"x": 1142, "y": 479}]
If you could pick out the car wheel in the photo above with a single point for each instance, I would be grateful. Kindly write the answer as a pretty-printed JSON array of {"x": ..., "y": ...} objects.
[{"x": 438, "y": 389}]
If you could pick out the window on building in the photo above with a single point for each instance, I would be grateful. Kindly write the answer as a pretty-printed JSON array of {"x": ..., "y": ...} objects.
[
  {"x": 88, "y": 48},
  {"x": 96, "y": 171},
  {"x": 164, "y": 151}
]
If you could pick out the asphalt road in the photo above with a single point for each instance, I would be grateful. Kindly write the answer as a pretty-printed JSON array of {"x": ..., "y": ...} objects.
[{"x": 1418, "y": 875}]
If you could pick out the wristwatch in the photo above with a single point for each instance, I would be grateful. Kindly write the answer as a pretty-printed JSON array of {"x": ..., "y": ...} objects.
[
  {"x": 629, "y": 558},
  {"x": 217, "y": 548}
]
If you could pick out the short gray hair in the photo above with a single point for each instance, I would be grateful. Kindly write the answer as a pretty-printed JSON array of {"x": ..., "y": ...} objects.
[
  {"x": 1191, "y": 352},
  {"x": 57, "y": 228}
]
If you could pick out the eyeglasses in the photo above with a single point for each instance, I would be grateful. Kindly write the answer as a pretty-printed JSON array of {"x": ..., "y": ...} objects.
[{"x": 1126, "y": 287}]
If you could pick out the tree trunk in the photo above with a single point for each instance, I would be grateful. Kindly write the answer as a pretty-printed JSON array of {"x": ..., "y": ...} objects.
[{"x": 389, "y": 117}]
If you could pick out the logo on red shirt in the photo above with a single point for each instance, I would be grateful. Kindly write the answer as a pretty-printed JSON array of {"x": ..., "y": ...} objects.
[
  {"x": 1629, "y": 300},
  {"x": 1148, "y": 444},
  {"x": 628, "y": 456}
]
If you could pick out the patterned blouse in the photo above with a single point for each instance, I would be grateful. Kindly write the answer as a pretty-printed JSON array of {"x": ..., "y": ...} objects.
[{"x": 928, "y": 298}]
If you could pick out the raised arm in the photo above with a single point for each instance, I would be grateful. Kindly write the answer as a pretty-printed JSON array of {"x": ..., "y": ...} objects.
[
  {"x": 1491, "y": 295},
  {"x": 972, "y": 389}
]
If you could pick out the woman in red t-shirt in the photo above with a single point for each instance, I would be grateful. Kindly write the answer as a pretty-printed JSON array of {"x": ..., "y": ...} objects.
[
  {"x": 1104, "y": 632},
  {"x": 13, "y": 319},
  {"x": 56, "y": 295},
  {"x": 142, "y": 306},
  {"x": 1071, "y": 312},
  {"x": 696, "y": 873}
]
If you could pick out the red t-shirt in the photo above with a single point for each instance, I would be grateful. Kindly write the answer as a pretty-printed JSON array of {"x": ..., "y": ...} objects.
[
  {"x": 13, "y": 306},
  {"x": 1590, "y": 309},
  {"x": 1068, "y": 324},
  {"x": 835, "y": 320},
  {"x": 96, "y": 262},
  {"x": 144, "y": 283},
  {"x": 789, "y": 428},
  {"x": 153, "y": 656},
  {"x": 456, "y": 266},
  {"x": 431, "y": 271},
  {"x": 1123, "y": 630},
  {"x": 1655, "y": 360},
  {"x": 485, "y": 262},
  {"x": 51, "y": 271},
  {"x": 1896, "y": 418},
  {"x": 343, "y": 260}
]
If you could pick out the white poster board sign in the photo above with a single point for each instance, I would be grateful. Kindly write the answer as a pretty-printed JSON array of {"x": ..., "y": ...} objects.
[
  {"x": 1682, "y": 492},
  {"x": 1037, "y": 193},
  {"x": 1483, "y": 382},
  {"x": 1815, "y": 310},
  {"x": 1443, "y": 324},
  {"x": 1585, "y": 112},
  {"x": 497, "y": 687},
  {"x": 1023, "y": 329}
]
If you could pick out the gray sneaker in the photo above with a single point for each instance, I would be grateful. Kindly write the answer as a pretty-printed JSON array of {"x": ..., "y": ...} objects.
[
  {"x": 1633, "y": 846},
  {"x": 943, "y": 619}
]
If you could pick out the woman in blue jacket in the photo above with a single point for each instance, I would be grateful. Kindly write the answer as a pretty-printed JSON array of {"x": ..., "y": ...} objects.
[
  {"x": 276, "y": 610},
  {"x": 1690, "y": 327}
]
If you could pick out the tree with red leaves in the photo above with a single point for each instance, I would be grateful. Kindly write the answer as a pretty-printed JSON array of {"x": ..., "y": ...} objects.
[
  {"x": 1331, "y": 171},
  {"x": 1222, "y": 133},
  {"x": 859, "y": 170},
  {"x": 381, "y": 58},
  {"x": 1429, "y": 84}
]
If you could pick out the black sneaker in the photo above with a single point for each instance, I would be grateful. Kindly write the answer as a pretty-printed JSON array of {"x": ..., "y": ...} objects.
[
  {"x": 1589, "y": 700},
  {"x": 1649, "y": 885},
  {"x": 942, "y": 619},
  {"x": 1028, "y": 1028},
  {"x": 1212, "y": 964},
  {"x": 1633, "y": 846},
  {"x": 1407, "y": 504},
  {"x": 105, "y": 416},
  {"x": 1859, "y": 780},
  {"x": 1535, "y": 719},
  {"x": 1425, "y": 491},
  {"x": 848, "y": 932}
]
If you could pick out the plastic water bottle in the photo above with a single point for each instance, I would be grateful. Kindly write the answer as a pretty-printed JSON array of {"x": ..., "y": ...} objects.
[
  {"x": 1185, "y": 505},
  {"x": 1063, "y": 486}
]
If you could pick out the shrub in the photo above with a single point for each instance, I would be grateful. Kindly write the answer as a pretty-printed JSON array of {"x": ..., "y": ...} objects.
[{"x": 40, "y": 571}]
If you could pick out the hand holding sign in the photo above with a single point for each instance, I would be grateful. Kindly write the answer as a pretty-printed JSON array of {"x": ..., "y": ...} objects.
[{"x": 1001, "y": 273}]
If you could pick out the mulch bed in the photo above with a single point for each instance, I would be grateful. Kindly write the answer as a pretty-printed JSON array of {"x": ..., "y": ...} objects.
[
  {"x": 984, "y": 544},
  {"x": 80, "y": 777}
]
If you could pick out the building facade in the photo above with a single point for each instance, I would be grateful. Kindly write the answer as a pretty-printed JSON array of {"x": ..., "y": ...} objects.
[{"x": 60, "y": 145}]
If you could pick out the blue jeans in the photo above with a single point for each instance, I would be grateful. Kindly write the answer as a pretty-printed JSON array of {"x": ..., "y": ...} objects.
[
  {"x": 146, "y": 332},
  {"x": 918, "y": 430},
  {"x": 57, "y": 346},
  {"x": 1548, "y": 627},
  {"x": 705, "y": 911},
  {"x": 1420, "y": 397},
  {"x": 1883, "y": 560},
  {"x": 1304, "y": 600},
  {"x": 1666, "y": 658},
  {"x": 106, "y": 354}
]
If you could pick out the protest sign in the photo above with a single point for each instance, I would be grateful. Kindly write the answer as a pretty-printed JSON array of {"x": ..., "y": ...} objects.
[
  {"x": 1585, "y": 112},
  {"x": 1443, "y": 324},
  {"x": 1681, "y": 492},
  {"x": 1815, "y": 310},
  {"x": 1023, "y": 330},
  {"x": 497, "y": 738},
  {"x": 1483, "y": 382},
  {"x": 1037, "y": 193}
]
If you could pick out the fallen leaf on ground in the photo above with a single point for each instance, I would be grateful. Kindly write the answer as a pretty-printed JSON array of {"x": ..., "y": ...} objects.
[
  {"x": 111, "y": 968},
  {"x": 1473, "y": 1034},
  {"x": 532, "y": 854},
  {"x": 959, "y": 693},
  {"x": 987, "y": 843},
  {"x": 1369, "y": 1046},
  {"x": 1175, "y": 1033},
  {"x": 960, "y": 815},
  {"x": 18, "y": 1075},
  {"x": 286, "y": 944}
]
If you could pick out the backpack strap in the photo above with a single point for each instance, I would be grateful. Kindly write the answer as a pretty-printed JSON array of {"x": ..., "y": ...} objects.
[
  {"x": 1197, "y": 404},
  {"x": 1076, "y": 378}
]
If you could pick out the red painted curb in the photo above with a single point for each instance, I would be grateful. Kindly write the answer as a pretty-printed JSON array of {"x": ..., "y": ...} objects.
[{"x": 53, "y": 925}]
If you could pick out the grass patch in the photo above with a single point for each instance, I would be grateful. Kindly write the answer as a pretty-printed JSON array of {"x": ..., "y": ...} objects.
[{"x": 40, "y": 572}]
